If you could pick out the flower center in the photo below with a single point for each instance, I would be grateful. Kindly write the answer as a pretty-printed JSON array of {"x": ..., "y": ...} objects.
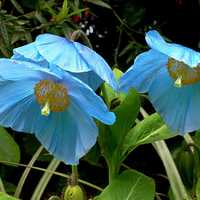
[
  {"x": 52, "y": 96},
  {"x": 182, "y": 73}
]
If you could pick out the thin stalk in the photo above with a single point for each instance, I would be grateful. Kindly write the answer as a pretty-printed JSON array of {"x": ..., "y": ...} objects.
[
  {"x": 74, "y": 175},
  {"x": 177, "y": 186},
  {"x": 2, "y": 188},
  {"x": 52, "y": 172},
  {"x": 41, "y": 186},
  {"x": 26, "y": 172},
  {"x": 176, "y": 183},
  {"x": 188, "y": 139}
]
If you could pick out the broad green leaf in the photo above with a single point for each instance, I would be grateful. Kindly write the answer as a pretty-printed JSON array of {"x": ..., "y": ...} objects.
[
  {"x": 4, "y": 196},
  {"x": 111, "y": 138},
  {"x": 151, "y": 129},
  {"x": 9, "y": 150},
  {"x": 126, "y": 113},
  {"x": 130, "y": 185},
  {"x": 100, "y": 3}
]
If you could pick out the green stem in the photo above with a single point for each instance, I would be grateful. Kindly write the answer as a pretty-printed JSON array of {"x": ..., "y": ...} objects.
[
  {"x": 189, "y": 141},
  {"x": 2, "y": 189},
  {"x": 41, "y": 186},
  {"x": 26, "y": 172},
  {"x": 177, "y": 186},
  {"x": 79, "y": 33},
  {"x": 176, "y": 183},
  {"x": 74, "y": 175},
  {"x": 113, "y": 171},
  {"x": 52, "y": 172}
]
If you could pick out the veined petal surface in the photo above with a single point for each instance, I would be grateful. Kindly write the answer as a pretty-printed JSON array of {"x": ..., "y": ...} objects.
[
  {"x": 15, "y": 70},
  {"x": 144, "y": 70},
  {"x": 179, "y": 107},
  {"x": 29, "y": 53},
  {"x": 69, "y": 135},
  {"x": 87, "y": 98},
  {"x": 73, "y": 57}
]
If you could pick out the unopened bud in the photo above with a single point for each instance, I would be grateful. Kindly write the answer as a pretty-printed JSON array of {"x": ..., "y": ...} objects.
[{"x": 74, "y": 192}]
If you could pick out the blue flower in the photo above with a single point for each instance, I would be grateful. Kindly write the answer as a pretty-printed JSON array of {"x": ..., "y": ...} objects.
[
  {"x": 50, "y": 50},
  {"x": 170, "y": 73},
  {"x": 56, "y": 107}
]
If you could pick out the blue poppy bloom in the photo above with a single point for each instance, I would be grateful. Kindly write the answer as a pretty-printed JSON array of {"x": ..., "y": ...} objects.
[
  {"x": 50, "y": 50},
  {"x": 56, "y": 107},
  {"x": 170, "y": 73}
]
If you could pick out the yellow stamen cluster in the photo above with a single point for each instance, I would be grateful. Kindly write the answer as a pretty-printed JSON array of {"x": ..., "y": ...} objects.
[
  {"x": 182, "y": 73},
  {"x": 52, "y": 96}
]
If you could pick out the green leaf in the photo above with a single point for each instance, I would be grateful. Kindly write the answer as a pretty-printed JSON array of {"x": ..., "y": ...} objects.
[
  {"x": 4, "y": 196},
  {"x": 9, "y": 150},
  {"x": 130, "y": 185},
  {"x": 126, "y": 114},
  {"x": 151, "y": 129},
  {"x": 4, "y": 33},
  {"x": 63, "y": 12},
  {"x": 100, "y": 3},
  {"x": 111, "y": 138}
]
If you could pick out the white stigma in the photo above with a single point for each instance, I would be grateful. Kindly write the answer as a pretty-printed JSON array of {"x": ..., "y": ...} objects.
[
  {"x": 46, "y": 109},
  {"x": 178, "y": 82}
]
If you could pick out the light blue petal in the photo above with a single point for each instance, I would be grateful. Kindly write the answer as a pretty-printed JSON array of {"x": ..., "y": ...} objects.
[
  {"x": 179, "y": 107},
  {"x": 29, "y": 53},
  {"x": 86, "y": 98},
  {"x": 21, "y": 115},
  {"x": 67, "y": 135},
  {"x": 74, "y": 57},
  {"x": 90, "y": 78},
  {"x": 144, "y": 70},
  {"x": 14, "y": 70},
  {"x": 176, "y": 51}
]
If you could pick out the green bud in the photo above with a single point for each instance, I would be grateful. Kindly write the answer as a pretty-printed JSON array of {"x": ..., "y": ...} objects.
[{"x": 74, "y": 192}]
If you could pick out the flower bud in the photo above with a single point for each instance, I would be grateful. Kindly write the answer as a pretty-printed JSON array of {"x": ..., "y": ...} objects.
[{"x": 74, "y": 192}]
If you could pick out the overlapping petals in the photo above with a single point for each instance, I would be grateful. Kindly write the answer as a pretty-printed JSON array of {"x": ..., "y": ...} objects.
[
  {"x": 179, "y": 106},
  {"x": 69, "y": 134},
  {"x": 176, "y": 51},
  {"x": 70, "y": 56}
]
